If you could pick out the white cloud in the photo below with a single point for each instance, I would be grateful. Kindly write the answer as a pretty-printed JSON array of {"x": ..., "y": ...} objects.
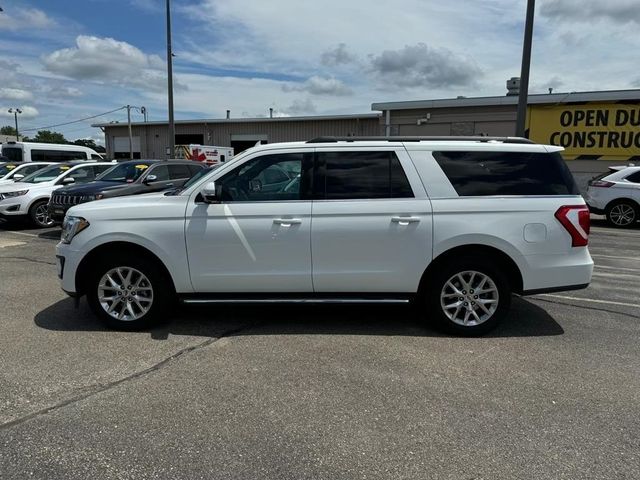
[
  {"x": 339, "y": 55},
  {"x": 21, "y": 19},
  {"x": 28, "y": 112},
  {"x": 590, "y": 11},
  {"x": 106, "y": 60},
  {"x": 15, "y": 94},
  {"x": 317, "y": 85}
]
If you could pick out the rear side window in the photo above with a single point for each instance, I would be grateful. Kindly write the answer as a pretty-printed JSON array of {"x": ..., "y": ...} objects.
[
  {"x": 12, "y": 153},
  {"x": 56, "y": 155},
  {"x": 634, "y": 177},
  {"x": 363, "y": 175},
  {"x": 507, "y": 173}
]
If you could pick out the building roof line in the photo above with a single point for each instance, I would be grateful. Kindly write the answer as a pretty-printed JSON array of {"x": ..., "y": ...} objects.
[
  {"x": 362, "y": 116},
  {"x": 537, "y": 98}
]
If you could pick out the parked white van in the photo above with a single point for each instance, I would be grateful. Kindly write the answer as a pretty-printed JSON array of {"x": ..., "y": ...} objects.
[{"x": 47, "y": 152}]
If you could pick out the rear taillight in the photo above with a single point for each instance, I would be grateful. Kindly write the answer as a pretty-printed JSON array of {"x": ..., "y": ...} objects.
[
  {"x": 601, "y": 183},
  {"x": 576, "y": 220}
]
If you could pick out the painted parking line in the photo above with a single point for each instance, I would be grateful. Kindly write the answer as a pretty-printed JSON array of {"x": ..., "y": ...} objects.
[
  {"x": 597, "y": 255},
  {"x": 591, "y": 300},
  {"x": 619, "y": 269},
  {"x": 10, "y": 243}
]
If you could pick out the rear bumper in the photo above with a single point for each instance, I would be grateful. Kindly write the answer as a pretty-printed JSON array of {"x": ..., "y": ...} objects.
[{"x": 564, "y": 288}]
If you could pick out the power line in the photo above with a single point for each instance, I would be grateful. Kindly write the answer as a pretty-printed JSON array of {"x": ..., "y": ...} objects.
[{"x": 74, "y": 121}]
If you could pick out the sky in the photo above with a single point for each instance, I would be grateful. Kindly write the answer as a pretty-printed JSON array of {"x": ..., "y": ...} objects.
[{"x": 64, "y": 60}]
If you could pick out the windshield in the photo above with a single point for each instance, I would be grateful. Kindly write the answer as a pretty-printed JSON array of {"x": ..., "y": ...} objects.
[
  {"x": 14, "y": 154},
  {"x": 124, "y": 173},
  {"x": 6, "y": 168},
  {"x": 46, "y": 174}
]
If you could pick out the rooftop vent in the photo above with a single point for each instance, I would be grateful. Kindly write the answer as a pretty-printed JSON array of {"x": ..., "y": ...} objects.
[{"x": 513, "y": 86}]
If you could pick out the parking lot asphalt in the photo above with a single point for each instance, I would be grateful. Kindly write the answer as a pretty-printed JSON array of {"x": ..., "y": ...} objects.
[{"x": 319, "y": 391}]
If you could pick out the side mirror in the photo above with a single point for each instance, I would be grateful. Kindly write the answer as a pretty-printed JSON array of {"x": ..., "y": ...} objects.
[
  {"x": 150, "y": 178},
  {"x": 68, "y": 180},
  {"x": 17, "y": 177},
  {"x": 211, "y": 193}
]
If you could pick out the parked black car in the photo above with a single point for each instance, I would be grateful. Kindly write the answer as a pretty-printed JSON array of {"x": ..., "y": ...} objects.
[{"x": 126, "y": 178}]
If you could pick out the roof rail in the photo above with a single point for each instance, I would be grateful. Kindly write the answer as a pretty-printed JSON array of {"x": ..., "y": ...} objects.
[{"x": 420, "y": 139}]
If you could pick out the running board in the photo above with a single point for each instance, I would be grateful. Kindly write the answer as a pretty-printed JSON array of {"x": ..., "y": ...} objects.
[{"x": 338, "y": 300}]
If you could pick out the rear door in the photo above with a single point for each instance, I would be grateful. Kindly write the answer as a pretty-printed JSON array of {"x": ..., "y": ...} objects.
[{"x": 371, "y": 229}]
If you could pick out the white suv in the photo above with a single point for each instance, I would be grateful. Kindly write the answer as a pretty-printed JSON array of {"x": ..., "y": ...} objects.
[
  {"x": 616, "y": 194},
  {"x": 459, "y": 224}
]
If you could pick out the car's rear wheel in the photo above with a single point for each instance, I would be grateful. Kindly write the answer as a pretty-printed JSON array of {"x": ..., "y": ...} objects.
[
  {"x": 622, "y": 214},
  {"x": 128, "y": 293},
  {"x": 39, "y": 214},
  {"x": 469, "y": 296}
]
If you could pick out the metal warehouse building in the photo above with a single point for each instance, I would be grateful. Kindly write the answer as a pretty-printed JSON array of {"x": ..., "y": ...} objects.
[
  {"x": 150, "y": 139},
  {"x": 602, "y": 125}
]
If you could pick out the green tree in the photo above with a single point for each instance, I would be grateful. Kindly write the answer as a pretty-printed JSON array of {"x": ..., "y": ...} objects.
[
  {"x": 85, "y": 142},
  {"x": 8, "y": 130},
  {"x": 47, "y": 136}
]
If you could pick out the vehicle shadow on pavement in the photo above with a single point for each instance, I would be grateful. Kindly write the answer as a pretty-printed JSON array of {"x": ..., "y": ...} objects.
[{"x": 525, "y": 320}]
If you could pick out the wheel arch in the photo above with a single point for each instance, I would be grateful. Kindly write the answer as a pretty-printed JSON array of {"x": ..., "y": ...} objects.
[
  {"x": 115, "y": 248},
  {"x": 621, "y": 200},
  {"x": 507, "y": 264}
]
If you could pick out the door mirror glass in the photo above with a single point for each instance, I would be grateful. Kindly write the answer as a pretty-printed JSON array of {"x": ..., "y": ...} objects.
[
  {"x": 150, "y": 178},
  {"x": 210, "y": 193}
]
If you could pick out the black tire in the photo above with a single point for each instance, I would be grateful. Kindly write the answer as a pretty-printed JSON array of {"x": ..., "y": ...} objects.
[
  {"x": 161, "y": 298},
  {"x": 622, "y": 213},
  {"x": 497, "y": 301},
  {"x": 35, "y": 214}
]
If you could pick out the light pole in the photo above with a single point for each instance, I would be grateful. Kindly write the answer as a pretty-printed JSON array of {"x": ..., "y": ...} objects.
[
  {"x": 172, "y": 126},
  {"x": 130, "y": 134},
  {"x": 15, "y": 112},
  {"x": 524, "y": 72}
]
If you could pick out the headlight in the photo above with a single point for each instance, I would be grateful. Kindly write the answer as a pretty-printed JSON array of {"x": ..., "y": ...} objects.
[
  {"x": 71, "y": 227},
  {"x": 19, "y": 193}
]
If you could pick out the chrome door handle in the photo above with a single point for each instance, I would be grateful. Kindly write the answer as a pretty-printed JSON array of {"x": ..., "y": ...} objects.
[
  {"x": 287, "y": 222},
  {"x": 405, "y": 220}
]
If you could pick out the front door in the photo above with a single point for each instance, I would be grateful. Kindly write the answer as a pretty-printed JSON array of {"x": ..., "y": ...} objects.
[{"x": 258, "y": 239}]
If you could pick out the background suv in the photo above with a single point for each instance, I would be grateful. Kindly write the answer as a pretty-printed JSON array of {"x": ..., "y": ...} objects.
[
  {"x": 616, "y": 194},
  {"x": 14, "y": 172},
  {"x": 126, "y": 178},
  {"x": 29, "y": 197},
  {"x": 455, "y": 224}
]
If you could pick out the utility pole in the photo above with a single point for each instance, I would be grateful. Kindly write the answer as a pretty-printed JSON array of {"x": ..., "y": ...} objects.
[
  {"x": 15, "y": 112},
  {"x": 172, "y": 126},
  {"x": 130, "y": 134},
  {"x": 524, "y": 72}
]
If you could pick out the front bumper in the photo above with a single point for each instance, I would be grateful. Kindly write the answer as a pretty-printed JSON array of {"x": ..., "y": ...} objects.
[
  {"x": 57, "y": 212},
  {"x": 67, "y": 261},
  {"x": 11, "y": 208}
]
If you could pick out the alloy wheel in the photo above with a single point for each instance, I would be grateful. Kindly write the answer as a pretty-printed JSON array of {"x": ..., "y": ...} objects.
[
  {"x": 125, "y": 293},
  {"x": 42, "y": 216},
  {"x": 469, "y": 298},
  {"x": 622, "y": 214}
]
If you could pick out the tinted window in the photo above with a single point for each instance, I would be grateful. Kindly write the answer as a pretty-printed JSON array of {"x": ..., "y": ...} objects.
[
  {"x": 161, "y": 172},
  {"x": 178, "y": 172},
  {"x": 265, "y": 178},
  {"x": 634, "y": 177},
  {"x": 29, "y": 169},
  {"x": 56, "y": 155},
  {"x": 95, "y": 156},
  {"x": 7, "y": 168},
  {"x": 193, "y": 169},
  {"x": 124, "y": 173},
  {"x": 12, "y": 153},
  {"x": 354, "y": 175},
  {"x": 507, "y": 173}
]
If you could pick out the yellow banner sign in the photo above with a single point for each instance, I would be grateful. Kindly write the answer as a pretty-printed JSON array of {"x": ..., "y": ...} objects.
[{"x": 605, "y": 130}]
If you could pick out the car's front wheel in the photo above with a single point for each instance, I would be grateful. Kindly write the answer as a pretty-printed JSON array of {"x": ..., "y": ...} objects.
[
  {"x": 39, "y": 214},
  {"x": 622, "y": 214},
  {"x": 468, "y": 297},
  {"x": 128, "y": 293}
]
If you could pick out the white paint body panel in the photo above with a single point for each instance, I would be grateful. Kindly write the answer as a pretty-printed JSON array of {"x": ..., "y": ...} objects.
[
  {"x": 335, "y": 245},
  {"x": 600, "y": 197}
]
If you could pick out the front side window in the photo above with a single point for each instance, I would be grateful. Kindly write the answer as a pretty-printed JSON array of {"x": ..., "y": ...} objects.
[
  {"x": 266, "y": 178},
  {"x": 83, "y": 174},
  {"x": 178, "y": 172},
  {"x": 363, "y": 175},
  {"x": 7, "y": 168},
  {"x": 506, "y": 173},
  {"x": 161, "y": 172}
]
